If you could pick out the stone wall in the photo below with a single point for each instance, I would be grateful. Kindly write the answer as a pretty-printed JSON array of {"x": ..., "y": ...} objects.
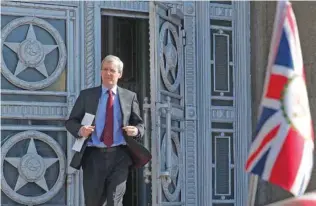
[{"x": 262, "y": 17}]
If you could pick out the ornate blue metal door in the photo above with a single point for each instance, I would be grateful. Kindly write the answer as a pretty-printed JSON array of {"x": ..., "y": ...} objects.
[
  {"x": 167, "y": 102},
  {"x": 39, "y": 82}
]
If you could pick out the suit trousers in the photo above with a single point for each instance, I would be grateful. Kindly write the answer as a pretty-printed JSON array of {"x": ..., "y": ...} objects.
[{"x": 105, "y": 172}]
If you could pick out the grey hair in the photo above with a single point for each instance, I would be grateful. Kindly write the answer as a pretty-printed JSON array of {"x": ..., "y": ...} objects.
[{"x": 114, "y": 59}]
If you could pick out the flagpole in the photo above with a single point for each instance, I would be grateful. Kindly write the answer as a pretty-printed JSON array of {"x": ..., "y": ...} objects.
[{"x": 252, "y": 190}]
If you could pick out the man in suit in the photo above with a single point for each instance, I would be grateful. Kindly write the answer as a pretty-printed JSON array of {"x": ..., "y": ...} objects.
[{"x": 110, "y": 148}]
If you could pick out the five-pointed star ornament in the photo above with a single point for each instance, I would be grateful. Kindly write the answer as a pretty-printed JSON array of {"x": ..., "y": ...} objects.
[
  {"x": 31, "y": 167},
  {"x": 171, "y": 56},
  {"x": 31, "y": 53}
]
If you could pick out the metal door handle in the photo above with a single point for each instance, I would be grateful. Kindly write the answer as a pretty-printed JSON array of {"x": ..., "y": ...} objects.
[
  {"x": 146, "y": 108},
  {"x": 166, "y": 108}
]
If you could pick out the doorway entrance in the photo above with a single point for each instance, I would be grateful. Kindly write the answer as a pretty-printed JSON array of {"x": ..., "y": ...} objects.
[{"x": 128, "y": 39}]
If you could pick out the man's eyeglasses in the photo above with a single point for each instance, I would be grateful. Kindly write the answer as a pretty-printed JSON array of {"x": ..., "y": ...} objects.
[{"x": 111, "y": 71}]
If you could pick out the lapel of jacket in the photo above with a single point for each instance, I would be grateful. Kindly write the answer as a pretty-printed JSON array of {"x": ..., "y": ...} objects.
[
  {"x": 94, "y": 100},
  {"x": 121, "y": 96}
]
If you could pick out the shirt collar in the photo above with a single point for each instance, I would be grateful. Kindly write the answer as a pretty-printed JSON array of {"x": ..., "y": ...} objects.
[{"x": 104, "y": 89}]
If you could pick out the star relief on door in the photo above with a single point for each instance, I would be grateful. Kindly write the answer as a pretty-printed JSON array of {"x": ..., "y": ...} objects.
[
  {"x": 32, "y": 167},
  {"x": 170, "y": 56},
  {"x": 172, "y": 189},
  {"x": 32, "y": 53}
]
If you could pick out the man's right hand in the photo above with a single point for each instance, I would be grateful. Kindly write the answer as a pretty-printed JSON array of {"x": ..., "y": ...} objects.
[{"x": 85, "y": 131}]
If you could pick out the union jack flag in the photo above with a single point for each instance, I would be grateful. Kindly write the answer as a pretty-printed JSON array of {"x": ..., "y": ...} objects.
[{"x": 282, "y": 150}]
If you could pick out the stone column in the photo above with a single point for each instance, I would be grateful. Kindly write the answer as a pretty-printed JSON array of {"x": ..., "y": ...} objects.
[
  {"x": 89, "y": 44},
  {"x": 190, "y": 105},
  {"x": 203, "y": 76},
  {"x": 242, "y": 79}
]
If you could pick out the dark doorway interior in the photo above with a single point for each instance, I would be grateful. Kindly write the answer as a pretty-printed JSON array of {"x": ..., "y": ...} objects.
[{"x": 128, "y": 38}]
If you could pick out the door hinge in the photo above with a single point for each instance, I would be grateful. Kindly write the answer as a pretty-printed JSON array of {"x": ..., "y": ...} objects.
[{"x": 183, "y": 37}]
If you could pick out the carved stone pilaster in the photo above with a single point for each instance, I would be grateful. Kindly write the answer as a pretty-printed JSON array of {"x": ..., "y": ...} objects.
[
  {"x": 241, "y": 41},
  {"x": 89, "y": 44},
  {"x": 190, "y": 104},
  {"x": 204, "y": 149}
]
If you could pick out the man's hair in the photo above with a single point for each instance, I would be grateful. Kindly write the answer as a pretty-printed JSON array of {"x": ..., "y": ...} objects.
[{"x": 115, "y": 60}]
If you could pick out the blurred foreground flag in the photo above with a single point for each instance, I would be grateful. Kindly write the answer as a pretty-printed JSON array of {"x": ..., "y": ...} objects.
[
  {"x": 305, "y": 200},
  {"x": 282, "y": 150}
]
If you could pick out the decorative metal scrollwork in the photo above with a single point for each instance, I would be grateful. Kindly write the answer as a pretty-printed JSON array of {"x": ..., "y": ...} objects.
[
  {"x": 32, "y": 167},
  {"x": 172, "y": 189},
  {"x": 31, "y": 53},
  {"x": 169, "y": 56}
]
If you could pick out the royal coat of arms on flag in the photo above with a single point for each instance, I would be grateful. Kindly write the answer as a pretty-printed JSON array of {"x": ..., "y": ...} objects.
[{"x": 282, "y": 150}]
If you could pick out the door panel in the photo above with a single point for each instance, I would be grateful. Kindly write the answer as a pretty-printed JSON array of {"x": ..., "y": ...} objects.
[
  {"x": 166, "y": 103},
  {"x": 38, "y": 91}
]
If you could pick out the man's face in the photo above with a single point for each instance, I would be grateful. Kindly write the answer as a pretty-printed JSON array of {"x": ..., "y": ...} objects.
[{"x": 110, "y": 74}]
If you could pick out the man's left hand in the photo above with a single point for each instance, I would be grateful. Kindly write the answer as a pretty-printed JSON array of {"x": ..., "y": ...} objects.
[{"x": 131, "y": 130}]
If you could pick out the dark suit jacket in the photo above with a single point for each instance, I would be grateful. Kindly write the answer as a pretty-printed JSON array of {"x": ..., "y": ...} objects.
[{"x": 87, "y": 102}]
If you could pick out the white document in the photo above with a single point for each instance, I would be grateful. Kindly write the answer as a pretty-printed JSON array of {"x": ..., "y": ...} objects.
[{"x": 86, "y": 121}]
